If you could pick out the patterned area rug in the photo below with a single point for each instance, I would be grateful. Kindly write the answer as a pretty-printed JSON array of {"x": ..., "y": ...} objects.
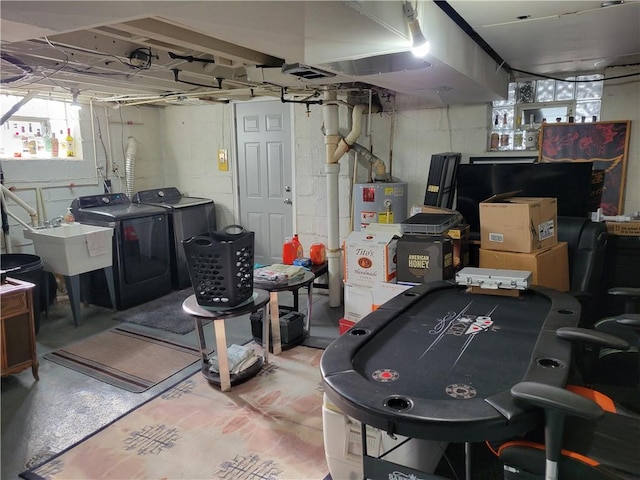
[
  {"x": 267, "y": 428},
  {"x": 126, "y": 359}
]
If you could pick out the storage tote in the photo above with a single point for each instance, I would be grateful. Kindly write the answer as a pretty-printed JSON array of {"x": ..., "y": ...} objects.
[{"x": 221, "y": 266}]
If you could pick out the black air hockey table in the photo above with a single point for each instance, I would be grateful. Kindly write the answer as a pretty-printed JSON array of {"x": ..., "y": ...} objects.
[{"x": 437, "y": 362}]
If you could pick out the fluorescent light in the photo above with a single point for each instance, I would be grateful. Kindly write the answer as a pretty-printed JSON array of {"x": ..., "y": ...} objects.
[{"x": 419, "y": 44}]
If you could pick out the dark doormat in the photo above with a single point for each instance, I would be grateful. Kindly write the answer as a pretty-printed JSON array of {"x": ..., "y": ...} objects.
[{"x": 164, "y": 313}]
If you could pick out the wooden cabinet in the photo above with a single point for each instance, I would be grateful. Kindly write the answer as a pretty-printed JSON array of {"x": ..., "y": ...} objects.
[{"x": 17, "y": 327}]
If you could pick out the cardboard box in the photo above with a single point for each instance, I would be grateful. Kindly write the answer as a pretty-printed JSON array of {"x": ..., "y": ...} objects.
[
  {"x": 549, "y": 268},
  {"x": 626, "y": 229},
  {"x": 518, "y": 224},
  {"x": 424, "y": 258},
  {"x": 460, "y": 239},
  {"x": 359, "y": 301},
  {"x": 369, "y": 258}
]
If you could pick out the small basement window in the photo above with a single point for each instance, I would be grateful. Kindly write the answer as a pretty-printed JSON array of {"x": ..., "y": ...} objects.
[{"x": 42, "y": 129}]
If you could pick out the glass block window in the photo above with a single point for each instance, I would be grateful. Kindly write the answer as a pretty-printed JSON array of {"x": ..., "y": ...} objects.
[
  {"x": 530, "y": 102},
  {"x": 564, "y": 90},
  {"x": 526, "y": 92},
  {"x": 545, "y": 90},
  {"x": 590, "y": 88}
]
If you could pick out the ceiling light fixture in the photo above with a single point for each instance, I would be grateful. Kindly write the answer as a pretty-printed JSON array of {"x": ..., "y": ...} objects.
[
  {"x": 75, "y": 105},
  {"x": 420, "y": 45}
]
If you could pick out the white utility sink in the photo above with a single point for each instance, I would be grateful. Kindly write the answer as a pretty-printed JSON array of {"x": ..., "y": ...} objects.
[{"x": 72, "y": 249}]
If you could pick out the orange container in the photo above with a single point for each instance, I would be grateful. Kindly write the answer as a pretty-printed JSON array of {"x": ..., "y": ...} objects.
[
  {"x": 289, "y": 252},
  {"x": 317, "y": 254}
]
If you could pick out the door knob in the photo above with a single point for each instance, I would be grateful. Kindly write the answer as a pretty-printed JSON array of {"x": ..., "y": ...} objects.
[{"x": 288, "y": 201}]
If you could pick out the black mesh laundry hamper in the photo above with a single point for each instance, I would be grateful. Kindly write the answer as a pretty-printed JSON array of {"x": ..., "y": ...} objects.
[{"x": 220, "y": 266}]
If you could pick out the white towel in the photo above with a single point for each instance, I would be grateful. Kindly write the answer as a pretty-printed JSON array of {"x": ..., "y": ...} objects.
[{"x": 97, "y": 243}]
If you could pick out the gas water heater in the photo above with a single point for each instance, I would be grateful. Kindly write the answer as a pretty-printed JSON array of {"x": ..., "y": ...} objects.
[{"x": 379, "y": 202}]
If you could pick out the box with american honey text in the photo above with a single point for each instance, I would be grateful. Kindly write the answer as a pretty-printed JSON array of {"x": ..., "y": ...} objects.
[{"x": 369, "y": 258}]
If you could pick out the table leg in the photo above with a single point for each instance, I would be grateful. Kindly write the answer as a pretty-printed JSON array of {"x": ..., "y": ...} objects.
[
  {"x": 266, "y": 328},
  {"x": 202, "y": 342},
  {"x": 307, "y": 330},
  {"x": 467, "y": 461},
  {"x": 274, "y": 310},
  {"x": 73, "y": 289},
  {"x": 223, "y": 359}
]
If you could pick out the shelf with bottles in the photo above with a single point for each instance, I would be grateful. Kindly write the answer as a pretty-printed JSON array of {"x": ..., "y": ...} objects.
[{"x": 35, "y": 139}]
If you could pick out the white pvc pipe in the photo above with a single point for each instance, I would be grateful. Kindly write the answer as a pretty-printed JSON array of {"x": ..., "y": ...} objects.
[
  {"x": 21, "y": 203},
  {"x": 333, "y": 233},
  {"x": 332, "y": 169}
]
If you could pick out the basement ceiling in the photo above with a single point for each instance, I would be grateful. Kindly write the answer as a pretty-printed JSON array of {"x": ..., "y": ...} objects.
[{"x": 170, "y": 52}]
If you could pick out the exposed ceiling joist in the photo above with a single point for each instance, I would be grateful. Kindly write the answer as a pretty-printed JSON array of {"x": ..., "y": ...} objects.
[{"x": 160, "y": 29}]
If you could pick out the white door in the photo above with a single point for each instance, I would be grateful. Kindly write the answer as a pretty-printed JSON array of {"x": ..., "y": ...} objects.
[{"x": 263, "y": 131}]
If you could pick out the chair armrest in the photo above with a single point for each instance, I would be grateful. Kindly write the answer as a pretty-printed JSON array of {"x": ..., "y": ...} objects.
[
  {"x": 557, "y": 399},
  {"x": 592, "y": 337},
  {"x": 629, "y": 319},
  {"x": 624, "y": 291}
]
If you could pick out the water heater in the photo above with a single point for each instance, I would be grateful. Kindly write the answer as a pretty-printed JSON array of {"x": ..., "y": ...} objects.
[{"x": 379, "y": 202}]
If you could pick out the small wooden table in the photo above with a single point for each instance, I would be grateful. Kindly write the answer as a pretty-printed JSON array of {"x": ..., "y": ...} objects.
[
  {"x": 18, "y": 330},
  {"x": 224, "y": 379},
  {"x": 274, "y": 308}
]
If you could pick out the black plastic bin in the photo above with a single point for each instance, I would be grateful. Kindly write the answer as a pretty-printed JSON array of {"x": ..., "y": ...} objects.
[{"x": 29, "y": 268}]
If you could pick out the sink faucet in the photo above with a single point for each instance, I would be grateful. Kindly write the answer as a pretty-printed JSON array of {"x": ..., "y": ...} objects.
[{"x": 56, "y": 221}]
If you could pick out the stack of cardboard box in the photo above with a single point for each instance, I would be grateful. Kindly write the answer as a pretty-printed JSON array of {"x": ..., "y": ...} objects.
[
  {"x": 369, "y": 274},
  {"x": 520, "y": 233}
]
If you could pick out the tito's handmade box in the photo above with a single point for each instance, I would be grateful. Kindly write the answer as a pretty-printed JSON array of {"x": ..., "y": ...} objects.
[
  {"x": 369, "y": 258},
  {"x": 518, "y": 224}
]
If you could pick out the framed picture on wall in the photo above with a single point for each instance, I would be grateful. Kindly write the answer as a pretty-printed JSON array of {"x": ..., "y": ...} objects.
[{"x": 606, "y": 144}]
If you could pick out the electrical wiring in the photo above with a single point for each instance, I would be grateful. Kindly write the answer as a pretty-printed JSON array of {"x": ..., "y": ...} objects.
[{"x": 548, "y": 77}]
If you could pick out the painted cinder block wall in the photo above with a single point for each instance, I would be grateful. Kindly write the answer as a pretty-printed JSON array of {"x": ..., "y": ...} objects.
[{"x": 177, "y": 146}]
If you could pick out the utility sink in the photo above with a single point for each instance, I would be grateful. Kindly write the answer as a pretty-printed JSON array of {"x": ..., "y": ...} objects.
[{"x": 72, "y": 249}]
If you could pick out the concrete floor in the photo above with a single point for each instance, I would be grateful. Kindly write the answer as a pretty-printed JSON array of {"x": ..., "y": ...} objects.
[{"x": 40, "y": 419}]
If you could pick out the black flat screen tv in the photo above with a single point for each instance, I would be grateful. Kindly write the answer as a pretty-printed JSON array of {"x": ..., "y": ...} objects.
[{"x": 570, "y": 183}]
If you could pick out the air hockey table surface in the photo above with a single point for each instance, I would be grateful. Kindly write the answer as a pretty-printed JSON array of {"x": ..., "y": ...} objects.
[{"x": 438, "y": 362}]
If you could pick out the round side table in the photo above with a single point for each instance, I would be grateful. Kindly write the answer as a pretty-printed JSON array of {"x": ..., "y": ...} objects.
[{"x": 224, "y": 379}]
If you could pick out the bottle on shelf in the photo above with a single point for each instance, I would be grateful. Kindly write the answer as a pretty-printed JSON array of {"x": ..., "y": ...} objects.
[
  {"x": 63, "y": 144},
  {"x": 69, "y": 142},
  {"x": 494, "y": 139},
  {"x": 48, "y": 146},
  {"x": 531, "y": 135},
  {"x": 31, "y": 143},
  {"x": 55, "y": 145},
  {"x": 505, "y": 134},
  {"x": 24, "y": 138},
  {"x": 518, "y": 135},
  {"x": 39, "y": 144},
  {"x": 570, "y": 117}
]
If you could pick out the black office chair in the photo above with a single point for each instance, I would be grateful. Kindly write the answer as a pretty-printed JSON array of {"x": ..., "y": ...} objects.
[
  {"x": 618, "y": 371},
  {"x": 586, "y": 241},
  {"x": 586, "y": 434}
]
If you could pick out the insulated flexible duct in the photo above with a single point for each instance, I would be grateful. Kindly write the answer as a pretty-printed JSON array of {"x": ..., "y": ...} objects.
[{"x": 129, "y": 164}]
